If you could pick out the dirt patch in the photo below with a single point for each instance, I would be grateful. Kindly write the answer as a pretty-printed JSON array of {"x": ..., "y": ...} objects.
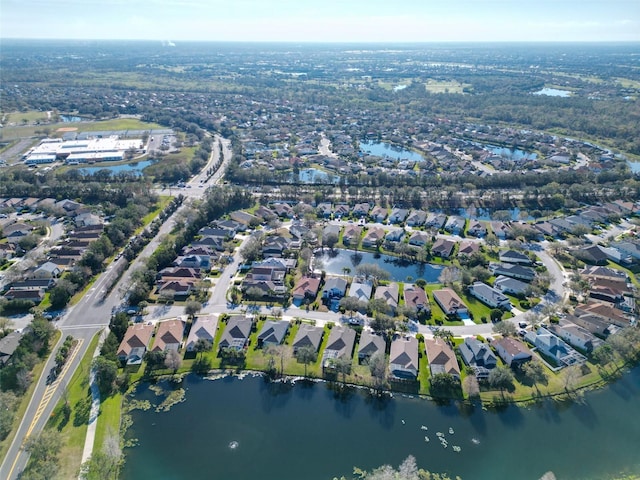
[{"x": 66, "y": 129}]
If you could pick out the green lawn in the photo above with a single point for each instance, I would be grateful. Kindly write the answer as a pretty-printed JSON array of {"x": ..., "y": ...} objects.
[
  {"x": 74, "y": 431},
  {"x": 28, "y": 116}
]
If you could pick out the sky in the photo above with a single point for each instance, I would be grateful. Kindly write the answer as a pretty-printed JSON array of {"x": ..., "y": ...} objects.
[{"x": 324, "y": 21}]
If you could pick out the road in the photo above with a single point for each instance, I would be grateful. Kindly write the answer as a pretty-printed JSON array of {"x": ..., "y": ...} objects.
[{"x": 88, "y": 317}]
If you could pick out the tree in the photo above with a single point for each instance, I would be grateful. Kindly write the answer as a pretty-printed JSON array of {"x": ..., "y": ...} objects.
[
  {"x": 106, "y": 372},
  {"x": 192, "y": 308},
  {"x": 534, "y": 371},
  {"x": 44, "y": 450},
  {"x": 443, "y": 334},
  {"x": 351, "y": 304},
  {"x": 470, "y": 386},
  {"x": 104, "y": 464},
  {"x": 61, "y": 293},
  {"x": 173, "y": 360},
  {"x": 342, "y": 366},
  {"x": 501, "y": 378},
  {"x": 603, "y": 354},
  {"x": 571, "y": 376},
  {"x": 382, "y": 324},
  {"x": 496, "y": 315},
  {"x": 504, "y": 328},
  {"x": 449, "y": 276},
  {"x": 202, "y": 345},
  {"x": 252, "y": 249},
  {"x": 306, "y": 355},
  {"x": 331, "y": 240},
  {"x": 8, "y": 404},
  {"x": 119, "y": 324},
  {"x": 443, "y": 384},
  {"x": 373, "y": 271},
  {"x": 492, "y": 241},
  {"x": 378, "y": 369}
]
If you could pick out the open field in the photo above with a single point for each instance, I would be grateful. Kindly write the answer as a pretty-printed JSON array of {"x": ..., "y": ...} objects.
[
  {"x": 50, "y": 129},
  {"x": 439, "y": 86},
  {"x": 29, "y": 116}
]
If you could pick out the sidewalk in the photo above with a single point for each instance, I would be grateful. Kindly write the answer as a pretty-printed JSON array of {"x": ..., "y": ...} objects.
[{"x": 95, "y": 406}]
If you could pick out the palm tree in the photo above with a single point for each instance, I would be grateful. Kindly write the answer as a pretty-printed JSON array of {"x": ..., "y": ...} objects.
[{"x": 346, "y": 271}]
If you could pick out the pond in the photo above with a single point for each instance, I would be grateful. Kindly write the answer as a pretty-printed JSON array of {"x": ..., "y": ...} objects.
[
  {"x": 246, "y": 429},
  {"x": 634, "y": 166},
  {"x": 511, "y": 153},
  {"x": 313, "y": 175},
  {"x": 553, "y": 92},
  {"x": 381, "y": 149},
  {"x": 136, "y": 168},
  {"x": 334, "y": 261}
]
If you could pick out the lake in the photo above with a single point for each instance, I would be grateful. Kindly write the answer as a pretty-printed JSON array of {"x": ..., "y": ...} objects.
[
  {"x": 123, "y": 168},
  {"x": 553, "y": 92},
  {"x": 307, "y": 432},
  {"x": 634, "y": 166},
  {"x": 381, "y": 149},
  {"x": 313, "y": 175},
  {"x": 334, "y": 262}
]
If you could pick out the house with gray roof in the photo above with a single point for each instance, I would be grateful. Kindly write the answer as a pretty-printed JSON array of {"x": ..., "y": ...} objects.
[
  {"x": 513, "y": 256},
  {"x": 8, "y": 345},
  {"x": 416, "y": 218},
  {"x": 370, "y": 344},
  {"x": 273, "y": 332},
  {"x": 398, "y": 215},
  {"x": 361, "y": 291},
  {"x": 436, "y": 220},
  {"x": 477, "y": 355},
  {"x": 334, "y": 287},
  {"x": 204, "y": 328},
  {"x": 510, "y": 285},
  {"x": 236, "y": 334},
  {"x": 489, "y": 295},
  {"x": 388, "y": 293},
  {"x": 308, "y": 336},
  {"x": 339, "y": 345},
  {"x": 419, "y": 238},
  {"x": 576, "y": 336},
  {"x": 513, "y": 270},
  {"x": 403, "y": 359},
  {"x": 455, "y": 224},
  {"x": 554, "y": 347}
]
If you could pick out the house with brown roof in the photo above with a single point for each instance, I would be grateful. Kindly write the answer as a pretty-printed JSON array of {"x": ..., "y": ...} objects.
[
  {"x": 403, "y": 359},
  {"x": 450, "y": 302},
  {"x": 443, "y": 247},
  {"x": 351, "y": 234},
  {"x": 513, "y": 352},
  {"x": 134, "y": 344},
  {"x": 415, "y": 297},
  {"x": 169, "y": 335},
  {"x": 306, "y": 287},
  {"x": 389, "y": 293},
  {"x": 468, "y": 248},
  {"x": 441, "y": 357},
  {"x": 373, "y": 236}
]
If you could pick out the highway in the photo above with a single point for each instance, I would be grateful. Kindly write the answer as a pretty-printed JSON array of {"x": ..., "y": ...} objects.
[{"x": 88, "y": 317}]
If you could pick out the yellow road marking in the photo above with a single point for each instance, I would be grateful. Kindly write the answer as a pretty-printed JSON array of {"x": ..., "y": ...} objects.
[{"x": 46, "y": 397}]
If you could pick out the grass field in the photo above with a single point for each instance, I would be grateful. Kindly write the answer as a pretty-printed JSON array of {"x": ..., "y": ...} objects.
[
  {"x": 21, "y": 117},
  {"x": 450, "y": 86},
  {"x": 74, "y": 430},
  {"x": 13, "y": 132}
]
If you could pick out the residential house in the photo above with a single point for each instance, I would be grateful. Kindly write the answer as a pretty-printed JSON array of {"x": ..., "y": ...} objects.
[
  {"x": 513, "y": 352},
  {"x": 341, "y": 210},
  {"x": 8, "y": 345},
  {"x": 135, "y": 342},
  {"x": 351, "y": 234},
  {"x": 443, "y": 247},
  {"x": 416, "y": 218},
  {"x": 468, "y": 248},
  {"x": 554, "y": 347},
  {"x": 169, "y": 335},
  {"x": 598, "y": 272},
  {"x": 372, "y": 237},
  {"x": 204, "y": 328},
  {"x": 273, "y": 332},
  {"x": 388, "y": 293},
  {"x": 478, "y": 356},
  {"x": 193, "y": 261},
  {"x": 592, "y": 254},
  {"x": 513, "y": 270},
  {"x": 274, "y": 246},
  {"x": 436, "y": 220},
  {"x": 500, "y": 229},
  {"x": 34, "y": 296},
  {"x": 361, "y": 291},
  {"x": 361, "y": 210},
  {"x": 398, "y": 215},
  {"x": 513, "y": 256},
  {"x": 593, "y": 324},
  {"x": 265, "y": 213},
  {"x": 370, "y": 344},
  {"x": 177, "y": 289},
  {"x": 306, "y": 287},
  {"x": 576, "y": 336},
  {"x": 395, "y": 235},
  {"x": 476, "y": 228},
  {"x": 489, "y": 296},
  {"x": 419, "y": 238},
  {"x": 283, "y": 210},
  {"x": 7, "y": 251},
  {"x": 236, "y": 334},
  {"x": 450, "y": 302},
  {"x": 455, "y": 224},
  {"x": 33, "y": 284},
  {"x": 334, "y": 287},
  {"x": 510, "y": 285},
  {"x": 605, "y": 312},
  {"x": 331, "y": 230},
  {"x": 339, "y": 345},
  {"x": 415, "y": 297},
  {"x": 378, "y": 213},
  {"x": 308, "y": 336},
  {"x": 403, "y": 359},
  {"x": 47, "y": 270},
  {"x": 441, "y": 357}
]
